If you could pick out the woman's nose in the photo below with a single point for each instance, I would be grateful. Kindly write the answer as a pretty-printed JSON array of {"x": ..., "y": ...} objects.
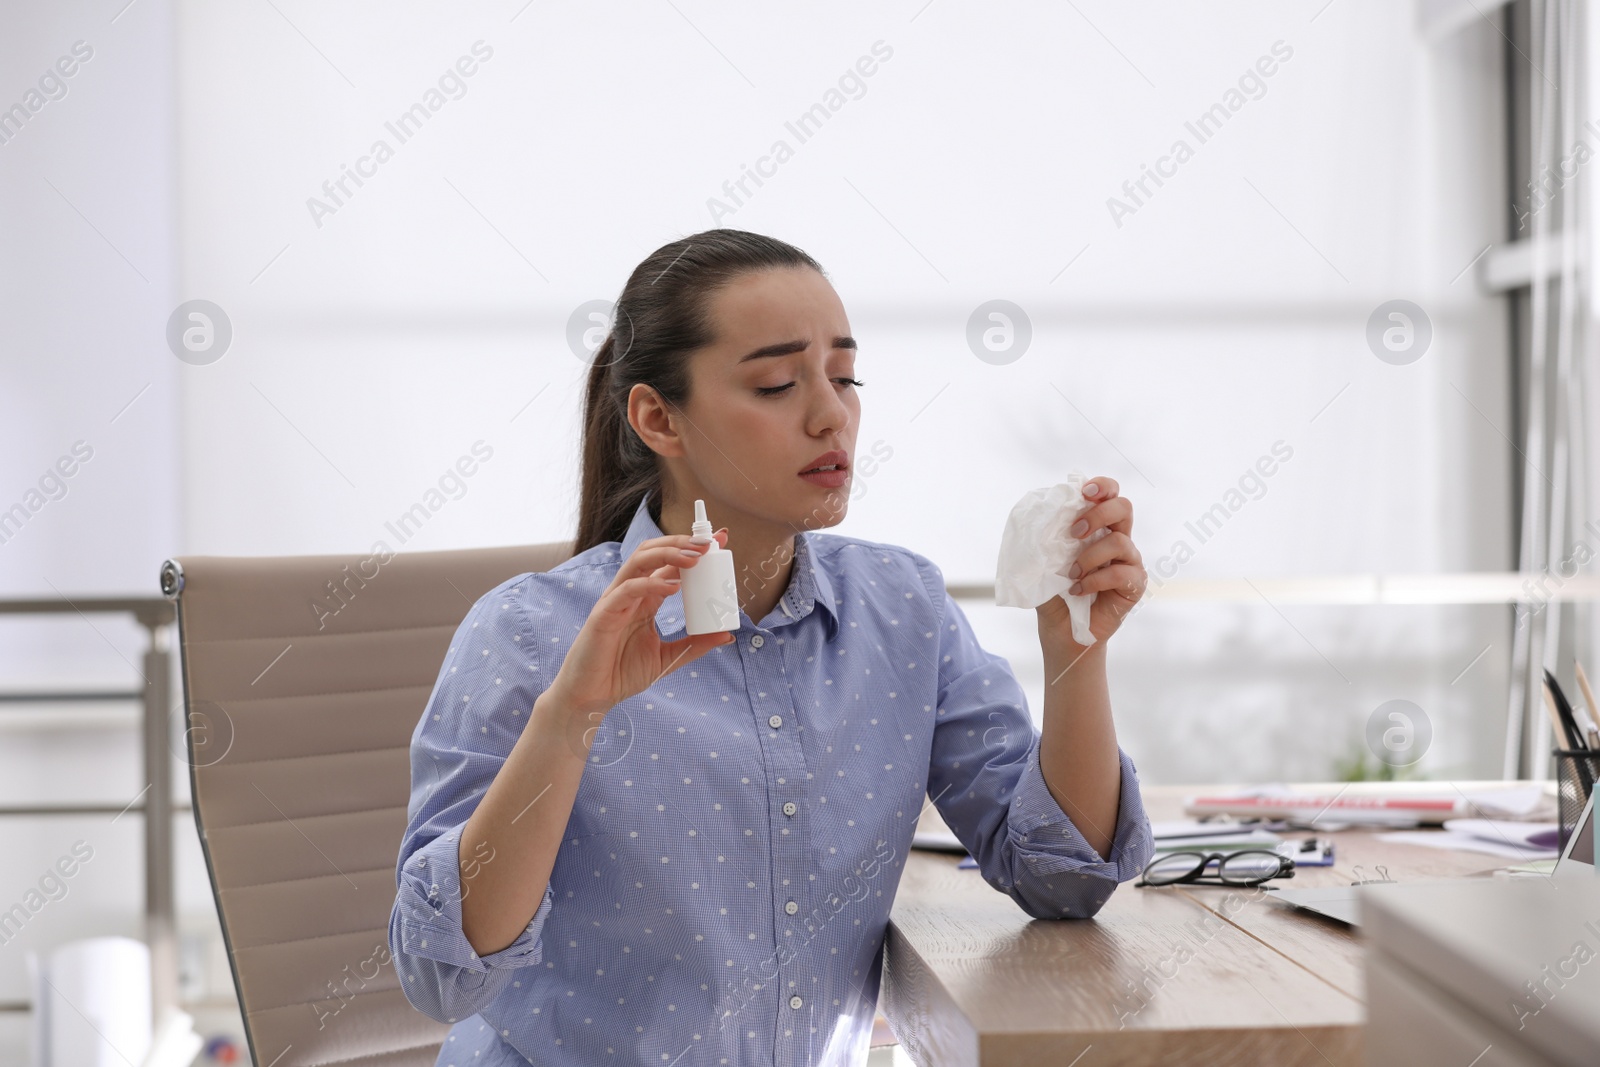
[{"x": 830, "y": 412}]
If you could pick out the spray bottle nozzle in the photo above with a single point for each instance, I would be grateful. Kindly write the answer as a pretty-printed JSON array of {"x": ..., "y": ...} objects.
[{"x": 702, "y": 526}]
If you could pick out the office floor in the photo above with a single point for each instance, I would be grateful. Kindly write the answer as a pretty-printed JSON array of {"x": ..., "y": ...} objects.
[
  {"x": 888, "y": 1056},
  {"x": 885, "y": 1052}
]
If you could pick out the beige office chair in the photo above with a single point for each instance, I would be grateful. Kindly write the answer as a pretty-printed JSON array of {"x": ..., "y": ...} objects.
[{"x": 303, "y": 678}]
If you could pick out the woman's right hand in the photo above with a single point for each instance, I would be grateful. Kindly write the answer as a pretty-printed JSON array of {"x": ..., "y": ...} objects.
[{"x": 618, "y": 652}]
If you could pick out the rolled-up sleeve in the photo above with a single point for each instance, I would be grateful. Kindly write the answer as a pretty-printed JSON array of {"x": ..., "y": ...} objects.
[
  {"x": 479, "y": 705},
  {"x": 1066, "y": 877},
  {"x": 985, "y": 779}
]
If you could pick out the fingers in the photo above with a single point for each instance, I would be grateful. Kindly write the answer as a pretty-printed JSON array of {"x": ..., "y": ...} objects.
[
  {"x": 1114, "y": 547},
  {"x": 675, "y": 654},
  {"x": 653, "y": 572},
  {"x": 1101, "y": 488},
  {"x": 677, "y": 551},
  {"x": 1124, "y": 579},
  {"x": 1113, "y": 514},
  {"x": 619, "y": 603}
]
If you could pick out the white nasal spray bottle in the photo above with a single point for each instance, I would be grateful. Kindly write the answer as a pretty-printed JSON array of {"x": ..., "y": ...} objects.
[{"x": 710, "y": 603}]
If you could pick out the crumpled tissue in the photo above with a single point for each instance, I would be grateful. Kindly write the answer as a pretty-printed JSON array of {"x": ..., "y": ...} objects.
[{"x": 1036, "y": 551}]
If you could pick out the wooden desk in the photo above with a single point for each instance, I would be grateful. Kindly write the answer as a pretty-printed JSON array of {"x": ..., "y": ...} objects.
[{"x": 1209, "y": 976}]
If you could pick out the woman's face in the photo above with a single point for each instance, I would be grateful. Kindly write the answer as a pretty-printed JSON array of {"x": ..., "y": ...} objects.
[{"x": 767, "y": 399}]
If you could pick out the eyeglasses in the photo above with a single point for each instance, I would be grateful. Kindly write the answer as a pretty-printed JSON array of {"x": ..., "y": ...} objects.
[{"x": 1250, "y": 866}]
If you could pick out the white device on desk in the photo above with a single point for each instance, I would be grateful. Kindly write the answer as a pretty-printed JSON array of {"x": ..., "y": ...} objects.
[
  {"x": 1484, "y": 971},
  {"x": 1578, "y": 857},
  {"x": 1334, "y": 901}
]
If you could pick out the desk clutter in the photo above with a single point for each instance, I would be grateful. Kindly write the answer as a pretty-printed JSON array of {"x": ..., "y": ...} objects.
[
  {"x": 1224, "y": 834},
  {"x": 1214, "y": 971},
  {"x": 1513, "y": 820}
]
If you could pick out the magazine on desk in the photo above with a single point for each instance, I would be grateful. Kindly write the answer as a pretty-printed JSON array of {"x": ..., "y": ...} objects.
[{"x": 1388, "y": 804}]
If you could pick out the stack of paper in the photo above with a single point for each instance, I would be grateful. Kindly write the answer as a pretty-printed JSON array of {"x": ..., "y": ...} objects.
[
  {"x": 1521, "y": 841},
  {"x": 1392, "y": 804},
  {"x": 1190, "y": 836}
]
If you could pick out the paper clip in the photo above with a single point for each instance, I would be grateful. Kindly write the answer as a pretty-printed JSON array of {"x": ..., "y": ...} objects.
[{"x": 1383, "y": 876}]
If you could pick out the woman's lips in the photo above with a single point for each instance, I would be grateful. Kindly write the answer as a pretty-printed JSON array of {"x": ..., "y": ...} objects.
[{"x": 827, "y": 479}]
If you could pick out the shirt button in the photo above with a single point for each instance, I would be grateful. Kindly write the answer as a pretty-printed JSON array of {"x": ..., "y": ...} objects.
[
  {"x": 789, "y": 807},
  {"x": 757, "y": 641},
  {"x": 795, "y": 1002},
  {"x": 775, "y": 721},
  {"x": 790, "y": 907}
]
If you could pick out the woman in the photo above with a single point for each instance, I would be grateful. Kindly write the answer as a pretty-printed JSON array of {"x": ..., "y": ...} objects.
[{"x": 639, "y": 847}]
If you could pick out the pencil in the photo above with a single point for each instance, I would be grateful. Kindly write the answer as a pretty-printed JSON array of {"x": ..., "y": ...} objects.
[{"x": 1594, "y": 709}]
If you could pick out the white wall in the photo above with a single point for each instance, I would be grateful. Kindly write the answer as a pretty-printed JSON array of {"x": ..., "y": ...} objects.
[{"x": 1220, "y": 317}]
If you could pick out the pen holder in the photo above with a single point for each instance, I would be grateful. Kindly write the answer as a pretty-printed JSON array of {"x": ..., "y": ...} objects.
[{"x": 1576, "y": 770}]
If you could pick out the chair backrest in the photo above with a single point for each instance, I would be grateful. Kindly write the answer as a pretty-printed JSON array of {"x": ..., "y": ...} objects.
[{"x": 303, "y": 678}]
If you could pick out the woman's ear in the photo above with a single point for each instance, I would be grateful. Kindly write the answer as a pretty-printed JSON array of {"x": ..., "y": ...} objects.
[{"x": 653, "y": 420}]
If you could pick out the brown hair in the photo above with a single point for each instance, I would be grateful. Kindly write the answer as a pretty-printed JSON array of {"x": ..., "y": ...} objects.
[{"x": 662, "y": 316}]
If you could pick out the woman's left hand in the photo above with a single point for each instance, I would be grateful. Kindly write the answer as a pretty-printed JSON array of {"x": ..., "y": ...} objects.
[{"x": 1110, "y": 567}]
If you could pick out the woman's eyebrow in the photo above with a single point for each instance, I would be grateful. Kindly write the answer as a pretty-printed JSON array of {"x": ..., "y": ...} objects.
[{"x": 789, "y": 348}]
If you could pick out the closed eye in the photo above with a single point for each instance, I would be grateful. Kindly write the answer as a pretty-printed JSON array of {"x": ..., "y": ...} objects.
[{"x": 775, "y": 390}]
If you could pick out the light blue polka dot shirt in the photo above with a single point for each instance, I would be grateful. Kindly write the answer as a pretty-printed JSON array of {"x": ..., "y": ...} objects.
[{"x": 724, "y": 885}]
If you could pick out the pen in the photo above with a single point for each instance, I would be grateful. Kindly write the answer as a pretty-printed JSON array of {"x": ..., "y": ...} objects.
[
  {"x": 1574, "y": 736},
  {"x": 1562, "y": 736}
]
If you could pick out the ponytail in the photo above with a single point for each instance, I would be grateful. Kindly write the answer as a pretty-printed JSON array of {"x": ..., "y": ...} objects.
[{"x": 614, "y": 478}]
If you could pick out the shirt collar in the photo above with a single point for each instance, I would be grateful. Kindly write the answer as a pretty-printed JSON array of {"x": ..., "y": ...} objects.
[{"x": 809, "y": 584}]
